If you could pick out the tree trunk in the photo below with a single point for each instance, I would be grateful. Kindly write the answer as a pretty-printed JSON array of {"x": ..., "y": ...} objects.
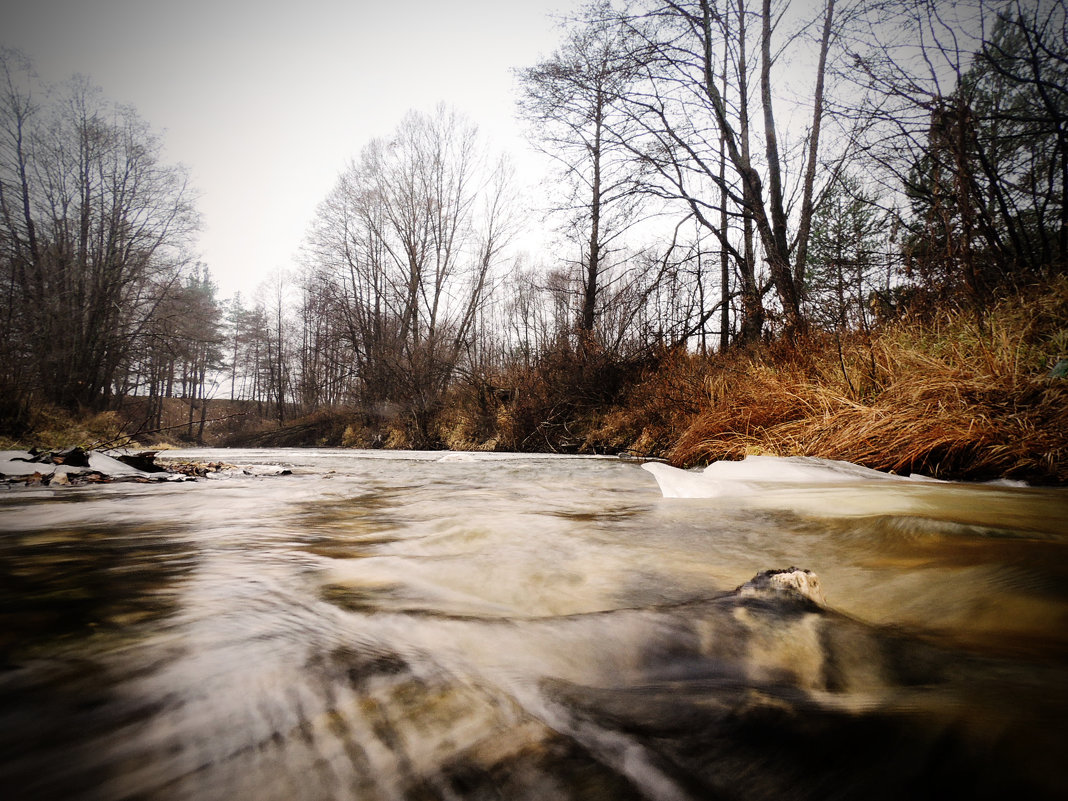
[
  {"x": 773, "y": 231},
  {"x": 593, "y": 263},
  {"x": 804, "y": 228},
  {"x": 724, "y": 256}
]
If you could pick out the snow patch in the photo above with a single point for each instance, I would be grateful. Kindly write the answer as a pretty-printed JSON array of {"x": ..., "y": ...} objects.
[{"x": 757, "y": 473}]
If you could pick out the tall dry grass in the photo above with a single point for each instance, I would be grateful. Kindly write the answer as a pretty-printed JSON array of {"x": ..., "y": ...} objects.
[
  {"x": 46, "y": 427},
  {"x": 955, "y": 397}
]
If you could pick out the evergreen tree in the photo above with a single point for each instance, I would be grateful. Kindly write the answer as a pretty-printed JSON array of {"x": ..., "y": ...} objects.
[{"x": 844, "y": 262}]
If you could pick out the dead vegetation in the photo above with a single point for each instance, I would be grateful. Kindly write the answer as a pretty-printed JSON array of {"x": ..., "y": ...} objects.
[
  {"x": 950, "y": 395},
  {"x": 957, "y": 396}
]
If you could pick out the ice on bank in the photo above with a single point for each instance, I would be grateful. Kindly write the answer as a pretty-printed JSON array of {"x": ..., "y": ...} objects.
[
  {"x": 757, "y": 473},
  {"x": 22, "y": 463},
  {"x": 761, "y": 474}
]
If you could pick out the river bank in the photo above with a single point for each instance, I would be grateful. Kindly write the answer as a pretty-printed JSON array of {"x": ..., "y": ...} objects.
[
  {"x": 949, "y": 394},
  {"x": 954, "y": 397}
]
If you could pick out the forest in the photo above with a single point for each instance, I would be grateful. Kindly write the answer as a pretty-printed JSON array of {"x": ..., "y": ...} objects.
[{"x": 834, "y": 229}]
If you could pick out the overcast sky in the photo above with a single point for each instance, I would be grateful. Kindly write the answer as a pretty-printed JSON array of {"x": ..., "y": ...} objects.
[{"x": 266, "y": 102}]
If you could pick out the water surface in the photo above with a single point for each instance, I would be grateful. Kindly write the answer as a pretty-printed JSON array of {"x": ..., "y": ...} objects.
[{"x": 407, "y": 626}]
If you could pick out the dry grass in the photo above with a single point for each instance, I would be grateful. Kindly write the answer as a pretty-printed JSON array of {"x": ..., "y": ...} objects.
[
  {"x": 48, "y": 427},
  {"x": 952, "y": 396},
  {"x": 957, "y": 398}
]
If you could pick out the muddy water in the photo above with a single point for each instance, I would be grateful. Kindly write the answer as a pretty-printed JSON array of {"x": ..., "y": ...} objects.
[{"x": 399, "y": 626}]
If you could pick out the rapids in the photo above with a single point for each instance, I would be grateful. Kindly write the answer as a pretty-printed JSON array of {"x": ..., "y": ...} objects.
[{"x": 396, "y": 625}]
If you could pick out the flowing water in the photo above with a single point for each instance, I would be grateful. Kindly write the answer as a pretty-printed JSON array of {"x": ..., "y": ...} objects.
[{"x": 407, "y": 626}]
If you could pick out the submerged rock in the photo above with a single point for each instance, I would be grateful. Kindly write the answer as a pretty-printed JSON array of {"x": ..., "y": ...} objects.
[
  {"x": 760, "y": 692},
  {"x": 792, "y": 580}
]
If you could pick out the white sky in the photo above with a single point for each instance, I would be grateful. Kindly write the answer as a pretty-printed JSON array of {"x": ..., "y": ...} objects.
[{"x": 267, "y": 101}]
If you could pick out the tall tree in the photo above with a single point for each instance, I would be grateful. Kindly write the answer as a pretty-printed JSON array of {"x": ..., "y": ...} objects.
[
  {"x": 966, "y": 107},
  {"x": 94, "y": 229},
  {"x": 572, "y": 102},
  {"x": 845, "y": 255},
  {"x": 407, "y": 243},
  {"x": 692, "y": 118}
]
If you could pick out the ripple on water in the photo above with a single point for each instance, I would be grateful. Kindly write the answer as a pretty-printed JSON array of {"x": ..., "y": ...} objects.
[{"x": 526, "y": 629}]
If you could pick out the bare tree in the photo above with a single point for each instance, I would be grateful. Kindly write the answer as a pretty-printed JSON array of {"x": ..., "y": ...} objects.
[
  {"x": 94, "y": 230},
  {"x": 572, "y": 102},
  {"x": 407, "y": 243},
  {"x": 697, "y": 113},
  {"x": 178, "y": 352},
  {"x": 965, "y": 105}
]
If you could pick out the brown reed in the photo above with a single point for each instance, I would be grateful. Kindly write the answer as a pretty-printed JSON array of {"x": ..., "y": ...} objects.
[{"x": 959, "y": 397}]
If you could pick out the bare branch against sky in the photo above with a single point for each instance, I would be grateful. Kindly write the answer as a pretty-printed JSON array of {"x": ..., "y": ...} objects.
[{"x": 265, "y": 102}]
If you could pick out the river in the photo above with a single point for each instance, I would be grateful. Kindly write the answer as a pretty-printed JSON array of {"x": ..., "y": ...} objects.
[{"x": 394, "y": 625}]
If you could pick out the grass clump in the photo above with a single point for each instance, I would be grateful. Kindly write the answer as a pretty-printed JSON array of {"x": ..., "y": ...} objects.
[
  {"x": 47, "y": 427},
  {"x": 954, "y": 397}
]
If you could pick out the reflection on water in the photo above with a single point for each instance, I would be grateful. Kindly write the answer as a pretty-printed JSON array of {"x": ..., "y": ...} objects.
[{"x": 392, "y": 626}]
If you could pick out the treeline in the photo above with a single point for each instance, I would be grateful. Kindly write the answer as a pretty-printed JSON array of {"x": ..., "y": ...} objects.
[
  {"x": 725, "y": 174},
  {"x": 94, "y": 235}
]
